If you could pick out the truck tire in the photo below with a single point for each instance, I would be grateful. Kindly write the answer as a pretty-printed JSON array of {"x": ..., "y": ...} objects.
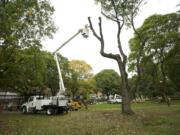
[
  {"x": 24, "y": 110},
  {"x": 66, "y": 111},
  {"x": 50, "y": 111},
  {"x": 34, "y": 111}
]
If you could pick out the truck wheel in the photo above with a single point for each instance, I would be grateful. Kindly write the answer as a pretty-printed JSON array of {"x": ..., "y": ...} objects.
[
  {"x": 66, "y": 111},
  {"x": 50, "y": 111},
  {"x": 35, "y": 111},
  {"x": 24, "y": 110}
]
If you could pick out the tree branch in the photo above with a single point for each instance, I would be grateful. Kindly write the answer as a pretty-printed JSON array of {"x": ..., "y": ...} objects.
[
  {"x": 92, "y": 29},
  {"x": 142, "y": 41},
  {"x": 101, "y": 39},
  {"x": 120, "y": 26},
  {"x": 131, "y": 19}
]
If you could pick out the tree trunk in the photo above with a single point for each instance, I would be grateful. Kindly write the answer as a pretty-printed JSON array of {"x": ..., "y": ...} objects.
[
  {"x": 164, "y": 96},
  {"x": 126, "y": 101},
  {"x": 107, "y": 96}
]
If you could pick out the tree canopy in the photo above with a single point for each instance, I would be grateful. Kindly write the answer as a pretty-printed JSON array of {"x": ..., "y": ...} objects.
[
  {"x": 80, "y": 74},
  {"x": 32, "y": 71},
  {"x": 161, "y": 45},
  {"x": 23, "y": 23},
  {"x": 108, "y": 82}
]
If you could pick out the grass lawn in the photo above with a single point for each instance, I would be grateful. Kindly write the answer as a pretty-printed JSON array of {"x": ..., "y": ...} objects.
[{"x": 101, "y": 119}]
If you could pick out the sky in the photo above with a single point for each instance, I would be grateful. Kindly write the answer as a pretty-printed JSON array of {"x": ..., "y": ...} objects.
[{"x": 71, "y": 15}]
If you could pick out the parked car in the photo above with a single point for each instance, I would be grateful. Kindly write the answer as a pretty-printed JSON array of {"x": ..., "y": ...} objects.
[{"x": 115, "y": 99}]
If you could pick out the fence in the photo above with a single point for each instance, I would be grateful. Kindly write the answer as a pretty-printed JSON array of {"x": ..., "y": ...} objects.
[{"x": 10, "y": 101}]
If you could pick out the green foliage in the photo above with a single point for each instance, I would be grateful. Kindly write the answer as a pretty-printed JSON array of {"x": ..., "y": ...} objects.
[
  {"x": 161, "y": 36},
  {"x": 8, "y": 64},
  {"x": 118, "y": 10},
  {"x": 80, "y": 74},
  {"x": 24, "y": 23},
  {"x": 108, "y": 82},
  {"x": 172, "y": 65},
  {"x": 82, "y": 69},
  {"x": 24, "y": 71},
  {"x": 31, "y": 71}
]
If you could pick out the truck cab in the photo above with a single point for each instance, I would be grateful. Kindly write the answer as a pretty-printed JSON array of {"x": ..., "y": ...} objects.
[{"x": 35, "y": 103}]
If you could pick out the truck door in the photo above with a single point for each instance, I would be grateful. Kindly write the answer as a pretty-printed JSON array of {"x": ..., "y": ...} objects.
[{"x": 30, "y": 103}]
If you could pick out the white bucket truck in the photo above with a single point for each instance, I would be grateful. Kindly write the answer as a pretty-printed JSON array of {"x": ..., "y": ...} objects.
[{"x": 52, "y": 105}]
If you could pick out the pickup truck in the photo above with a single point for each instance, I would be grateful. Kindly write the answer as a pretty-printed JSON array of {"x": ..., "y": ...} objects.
[{"x": 52, "y": 105}]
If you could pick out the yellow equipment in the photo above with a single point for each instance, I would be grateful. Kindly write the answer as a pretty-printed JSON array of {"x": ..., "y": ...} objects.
[{"x": 74, "y": 105}]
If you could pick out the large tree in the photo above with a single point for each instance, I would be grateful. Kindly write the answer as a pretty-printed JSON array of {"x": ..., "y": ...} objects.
[
  {"x": 23, "y": 24},
  {"x": 162, "y": 39},
  {"x": 122, "y": 12}
]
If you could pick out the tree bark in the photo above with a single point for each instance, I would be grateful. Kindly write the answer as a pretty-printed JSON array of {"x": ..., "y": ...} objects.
[
  {"x": 126, "y": 104},
  {"x": 164, "y": 96}
]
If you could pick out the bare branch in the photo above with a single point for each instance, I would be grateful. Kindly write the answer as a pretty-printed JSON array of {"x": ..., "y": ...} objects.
[
  {"x": 108, "y": 55},
  {"x": 92, "y": 29},
  {"x": 120, "y": 26},
  {"x": 101, "y": 39}
]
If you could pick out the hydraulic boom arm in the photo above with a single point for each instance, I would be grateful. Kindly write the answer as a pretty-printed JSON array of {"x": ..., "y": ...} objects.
[{"x": 84, "y": 33}]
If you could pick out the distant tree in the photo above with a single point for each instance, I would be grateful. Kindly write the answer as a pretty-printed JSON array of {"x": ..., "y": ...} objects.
[
  {"x": 83, "y": 70},
  {"x": 108, "y": 82},
  {"x": 92, "y": 84},
  {"x": 80, "y": 73},
  {"x": 172, "y": 65}
]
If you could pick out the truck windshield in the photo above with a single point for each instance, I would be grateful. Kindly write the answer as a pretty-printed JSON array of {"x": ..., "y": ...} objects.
[
  {"x": 30, "y": 99},
  {"x": 40, "y": 97}
]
